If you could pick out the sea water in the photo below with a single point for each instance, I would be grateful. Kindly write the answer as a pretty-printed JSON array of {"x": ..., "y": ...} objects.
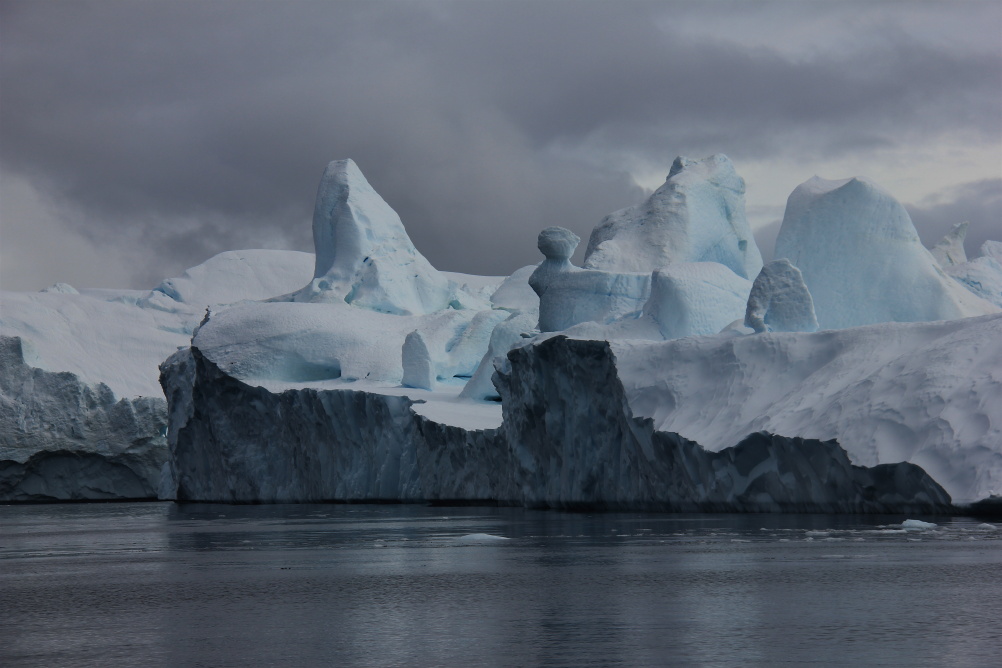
[{"x": 162, "y": 584}]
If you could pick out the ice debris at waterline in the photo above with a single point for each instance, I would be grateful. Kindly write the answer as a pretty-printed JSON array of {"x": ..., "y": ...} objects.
[{"x": 671, "y": 371}]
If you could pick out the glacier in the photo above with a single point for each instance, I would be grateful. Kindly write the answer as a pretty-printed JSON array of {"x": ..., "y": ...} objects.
[{"x": 671, "y": 372}]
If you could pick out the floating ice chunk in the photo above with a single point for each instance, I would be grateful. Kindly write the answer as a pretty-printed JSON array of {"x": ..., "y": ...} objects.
[
  {"x": 481, "y": 538},
  {"x": 917, "y": 525},
  {"x": 698, "y": 215},
  {"x": 695, "y": 298},
  {"x": 862, "y": 260},
  {"x": 950, "y": 249},
  {"x": 986, "y": 527},
  {"x": 779, "y": 301},
  {"x": 363, "y": 254}
]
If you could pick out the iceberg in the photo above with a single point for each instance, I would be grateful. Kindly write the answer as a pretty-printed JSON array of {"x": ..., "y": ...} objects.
[
  {"x": 698, "y": 215},
  {"x": 862, "y": 260},
  {"x": 62, "y": 439},
  {"x": 569, "y": 295},
  {"x": 950, "y": 249},
  {"x": 568, "y": 440},
  {"x": 982, "y": 275},
  {"x": 780, "y": 301},
  {"x": 695, "y": 299},
  {"x": 363, "y": 253},
  {"x": 628, "y": 383},
  {"x": 82, "y": 415},
  {"x": 926, "y": 393},
  {"x": 234, "y": 276}
]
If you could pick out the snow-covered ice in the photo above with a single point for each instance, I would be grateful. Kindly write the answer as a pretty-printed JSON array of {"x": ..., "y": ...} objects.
[
  {"x": 363, "y": 253},
  {"x": 779, "y": 301},
  {"x": 698, "y": 215},
  {"x": 928, "y": 393},
  {"x": 982, "y": 275},
  {"x": 569, "y": 295},
  {"x": 630, "y": 382},
  {"x": 950, "y": 249},
  {"x": 862, "y": 259},
  {"x": 291, "y": 341},
  {"x": 695, "y": 298}
]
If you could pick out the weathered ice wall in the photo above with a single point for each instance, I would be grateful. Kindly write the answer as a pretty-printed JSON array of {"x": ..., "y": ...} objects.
[
  {"x": 569, "y": 440},
  {"x": 62, "y": 439}
]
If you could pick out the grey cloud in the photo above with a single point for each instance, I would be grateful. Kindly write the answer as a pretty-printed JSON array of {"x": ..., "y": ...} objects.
[{"x": 194, "y": 127}]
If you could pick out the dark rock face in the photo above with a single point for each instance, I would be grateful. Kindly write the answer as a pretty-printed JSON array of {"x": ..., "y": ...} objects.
[{"x": 568, "y": 440}]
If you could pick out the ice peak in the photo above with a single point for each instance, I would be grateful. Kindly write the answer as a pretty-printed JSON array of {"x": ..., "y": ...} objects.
[
  {"x": 717, "y": 169},
  {"x": 862, "y": 260},
  {"x": 950, "y": 249},
  {"x": 698, "y": 215},
  {"x": 363, "y": 253}
]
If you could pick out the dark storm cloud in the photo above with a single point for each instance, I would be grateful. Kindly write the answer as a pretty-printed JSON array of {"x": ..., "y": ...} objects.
[{"x": 192, "y": 128}]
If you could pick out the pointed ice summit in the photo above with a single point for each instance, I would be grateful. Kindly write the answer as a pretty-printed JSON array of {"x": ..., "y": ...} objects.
[
  {"x": 698, "y": 215},
  {"x": 363, "y": 254},
  {"x": 950, "y": 250},
  {"x": 862, "y": 259}
]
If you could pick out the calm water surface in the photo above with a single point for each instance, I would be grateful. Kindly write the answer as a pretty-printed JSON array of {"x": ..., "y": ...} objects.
[{"x": 159, "y": 584}]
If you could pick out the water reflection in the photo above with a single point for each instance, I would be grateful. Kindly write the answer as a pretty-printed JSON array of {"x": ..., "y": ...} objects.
[{"x": 190, "y": 584}]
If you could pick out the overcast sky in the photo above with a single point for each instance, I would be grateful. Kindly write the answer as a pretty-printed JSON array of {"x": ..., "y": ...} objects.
[{"x": 140, "y": 138}]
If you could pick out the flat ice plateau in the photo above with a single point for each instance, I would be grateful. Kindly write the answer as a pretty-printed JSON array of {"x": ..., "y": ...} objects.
[{"x": 859, "y": 372}]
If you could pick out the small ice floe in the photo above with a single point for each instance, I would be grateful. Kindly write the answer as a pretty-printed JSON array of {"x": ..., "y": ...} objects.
[
  {"x": 817, "y": 534},
  {"x": 917, "y": 525},
  {"x": 480, "y": 538},
  {"x": 986, "y": 527}
]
